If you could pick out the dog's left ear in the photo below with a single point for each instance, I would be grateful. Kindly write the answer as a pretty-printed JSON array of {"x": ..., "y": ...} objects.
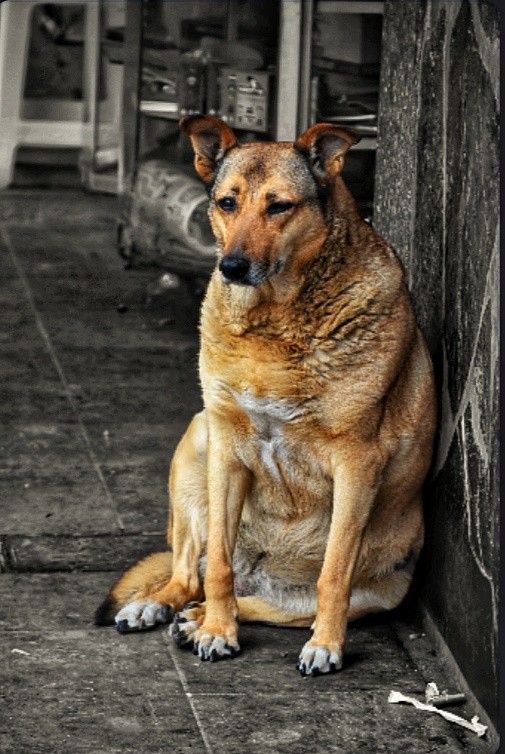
[
  {"x": 211, "y": 139},
  {"x": 326, "y": 145}
]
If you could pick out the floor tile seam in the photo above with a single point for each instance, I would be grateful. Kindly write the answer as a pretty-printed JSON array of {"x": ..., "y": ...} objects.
[
  {"x": 187, "y": 692},
  {"x": 54, "y": 223},
  {"x": 293, "y": 693},
  {"x": 104, "y": 535},
  {"x": 46, "y": 339},
  {"x": 158, "y": 348}
]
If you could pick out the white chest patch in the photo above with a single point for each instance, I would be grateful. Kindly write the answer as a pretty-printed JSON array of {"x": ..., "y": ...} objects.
[{"x": 270, "y": 417}]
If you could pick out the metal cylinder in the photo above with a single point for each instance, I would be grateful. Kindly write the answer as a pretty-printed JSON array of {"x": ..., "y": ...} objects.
[{"x": 179, "y": 202}]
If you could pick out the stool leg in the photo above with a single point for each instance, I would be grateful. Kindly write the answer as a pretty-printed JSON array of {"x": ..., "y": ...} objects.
[{"x": 15, "y": 19}]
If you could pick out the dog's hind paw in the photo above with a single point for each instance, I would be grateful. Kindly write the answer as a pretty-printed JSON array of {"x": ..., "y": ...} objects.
[
  {"x": 186, "y": 631},
  {"x": 315, "y": 660},
  {"x": 186, "y": 623},
  {"x": 137, "y": 616}
]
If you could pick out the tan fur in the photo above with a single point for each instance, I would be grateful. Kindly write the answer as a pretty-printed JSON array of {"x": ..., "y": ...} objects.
[{"x": 303, "y": 474}]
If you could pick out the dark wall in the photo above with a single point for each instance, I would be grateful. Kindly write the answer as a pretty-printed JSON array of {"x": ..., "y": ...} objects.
[{"x": 437, "y": 203}]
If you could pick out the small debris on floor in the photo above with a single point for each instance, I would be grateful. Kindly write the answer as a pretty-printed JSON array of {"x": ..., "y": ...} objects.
[
  {"x": 442, "y": 698},
  {"x": 396, "y": 697}
]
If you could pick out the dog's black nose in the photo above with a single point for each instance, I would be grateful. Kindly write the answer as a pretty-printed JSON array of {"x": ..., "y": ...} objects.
[{"x": 234, "y": 268}]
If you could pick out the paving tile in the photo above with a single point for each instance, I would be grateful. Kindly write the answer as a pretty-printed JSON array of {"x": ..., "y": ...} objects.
[
  {"x": 100, "y": 551},
  {"x": 272, "y": 653},
  {"x": 342, "y": 723},
  {"x": 28, "y": 364},
  {"x": 50, "y": 485},
  {"x": 140, "y": 492},
  {"x": 50, "y": 602},
  {"x": 26, "y": 340},
  {"x": 126, "y": 442},
  {"x": 59, "y": 700},
  {"x": 74, "y": 508},
  {"x": 45, "y": 401},
  {"x": 26, "y": 361},
  {"x": 36, "y": 208},
  {"x": 68, "y": 686},
  {"x": 49, "y": 400},
  {"x": 176, "y": 362},
  {"x": 107, "y": 403},
  {"x": 135, "y": 691},
  {"x": 259, "y": 702},
  {"x": 44, "y": 443},
  {"x": 51, "y": 443}
]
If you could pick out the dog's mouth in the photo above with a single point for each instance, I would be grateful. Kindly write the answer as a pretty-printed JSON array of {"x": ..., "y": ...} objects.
[{"x": 238, "y": 269}]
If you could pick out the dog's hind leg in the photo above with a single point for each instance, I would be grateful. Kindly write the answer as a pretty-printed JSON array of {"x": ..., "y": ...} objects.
[
  {"x": 379, "y": 595},
  {"x": 256, "y": 610},
  {"x": 151, "y": 591}
]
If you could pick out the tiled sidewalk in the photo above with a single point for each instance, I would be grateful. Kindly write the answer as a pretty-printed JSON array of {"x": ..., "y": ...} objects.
[{"x": 93, "y": 401}]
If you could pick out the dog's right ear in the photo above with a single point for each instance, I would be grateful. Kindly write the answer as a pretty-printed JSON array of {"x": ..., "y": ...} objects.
[
  {"x": 211, "y": 140},
  {"x": 326, "y": 146}
]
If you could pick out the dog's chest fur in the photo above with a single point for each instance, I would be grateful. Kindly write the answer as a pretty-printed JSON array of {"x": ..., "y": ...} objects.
[
  {"x": 287, "y": 509},
  {"x": 270, "y": 418}
]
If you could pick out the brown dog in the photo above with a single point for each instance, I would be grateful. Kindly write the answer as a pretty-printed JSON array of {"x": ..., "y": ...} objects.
[{"x": 297, "y": 491}]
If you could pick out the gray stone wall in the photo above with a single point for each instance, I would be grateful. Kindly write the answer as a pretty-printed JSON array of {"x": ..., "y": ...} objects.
[{"x": 437, "y": 185}]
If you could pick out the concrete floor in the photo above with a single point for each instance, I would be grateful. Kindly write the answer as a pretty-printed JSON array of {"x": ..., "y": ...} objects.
[{"x": 98, "y": 379}]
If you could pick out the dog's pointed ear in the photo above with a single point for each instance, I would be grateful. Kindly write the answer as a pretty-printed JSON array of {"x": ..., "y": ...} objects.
[
  {"x": 211, "y": 140},
  {"x": 325, "y": 146}
]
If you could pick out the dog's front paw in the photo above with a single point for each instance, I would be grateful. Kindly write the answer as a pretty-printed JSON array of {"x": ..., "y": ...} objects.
[
  {"x": 216, "y": 639},
  {"x": 210, "y": 646},
  {"x": 142, "y": 614},
  {"x": 315, "y": 660}
]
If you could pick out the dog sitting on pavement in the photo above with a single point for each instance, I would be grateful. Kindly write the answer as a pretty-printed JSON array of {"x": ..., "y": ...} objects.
[{"x": 295, "y": 495}]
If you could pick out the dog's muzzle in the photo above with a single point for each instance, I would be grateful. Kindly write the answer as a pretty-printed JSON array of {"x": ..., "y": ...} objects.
[{"x": 234, "y": 268}]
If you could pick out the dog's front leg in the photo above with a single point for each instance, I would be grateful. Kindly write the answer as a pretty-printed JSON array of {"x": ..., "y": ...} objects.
[
  {"x": 355, "y": 484},
  {"x": 228, "y": 481}
]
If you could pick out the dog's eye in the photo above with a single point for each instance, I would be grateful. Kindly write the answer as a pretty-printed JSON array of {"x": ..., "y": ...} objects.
[
  {"x": 277, "y": 208},
  {"x": 227, "y": 203}
]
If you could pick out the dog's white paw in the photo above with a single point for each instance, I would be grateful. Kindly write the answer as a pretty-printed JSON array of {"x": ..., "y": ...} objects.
[
  {"x": 315, "y": 660},
  {"x": 142, "y": 614},
  {"x": 208, "y": 646},
  {"x": 186, "y": 632}
]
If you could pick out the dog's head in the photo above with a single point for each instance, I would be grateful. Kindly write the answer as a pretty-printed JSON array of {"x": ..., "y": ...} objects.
[{"x": 267, "y": 200}]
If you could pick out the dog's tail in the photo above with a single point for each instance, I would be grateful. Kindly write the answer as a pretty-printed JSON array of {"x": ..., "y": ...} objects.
[{"x": 143, "y": 579}]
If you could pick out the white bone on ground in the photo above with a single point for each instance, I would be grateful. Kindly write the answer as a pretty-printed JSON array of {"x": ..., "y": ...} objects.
[{"x": 141, "y": 613}]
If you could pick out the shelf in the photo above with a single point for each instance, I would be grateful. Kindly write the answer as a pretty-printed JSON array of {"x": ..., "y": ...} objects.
[
  {"x": 159, "y": 109},
  {"x": 367, "y": 143},
  {"x": 343, "y": 6}
]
